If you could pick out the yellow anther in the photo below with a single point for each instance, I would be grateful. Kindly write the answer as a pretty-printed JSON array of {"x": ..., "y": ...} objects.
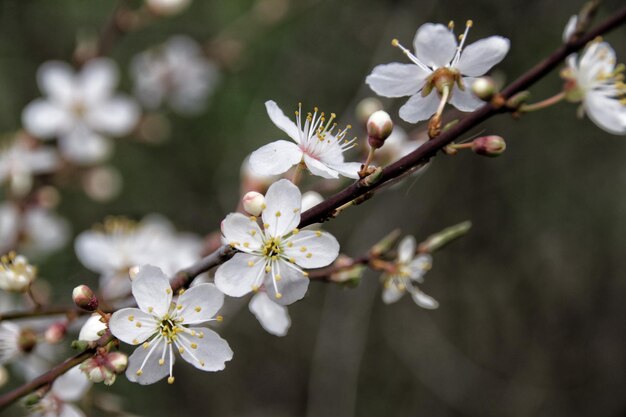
[
  {"x": 395, "y": 42},
  {"x": 181, "y": 291},
  {"x": 263, "y": 206},
  {"x": 150, "y": 309},
  {"x": 138, "y": 324},
  {"x": 296, "y": 210},
  {"x": 201, "y": 363},
  {"x": 219, "y": 319},
  {"x": 181, "y": 350},
  {"x": 278, "y": 214},
  {"x": 179, "y": 307},
  {"x": 135, "y": 342},
  {"x": 289, "y": 244},
  {"x": 170, "y": 380},
  {"x": 246, "y": 244},
  {"x": 131, "y": 318},
  {"x": 266, "y": 226},
  {"x": 146, "y": 345},
  {"x": 318, "y": 233},
  {"x": 250, "y": 263},
  {"x": 279, "y": 295},
  {"x": 161, "y": 362},
  {"x": 197, "y": 309},
  {"x": 296, "y": 231},
  {"x": 451, "y": 24},
  {"x": 139, "y": 372},
  {"x": 201, "y": 335},
  {"x": 253, "y": 232},
  {"x": 309, "y": 255},
  {"x": 268, "y": 269},
  {"x": 278, "y": 277},
  {"x": 306, "y": 274},
  {"x": 194, "y": 346},
  {"x": 292, "y": 260},
  {"x": 469, "y": 23},
  {"x": 168, "y": 291},
  {"x": 252, "y": 218},
  {"x": 302, "y": 248},
  {"x": 255, "y": 288}
]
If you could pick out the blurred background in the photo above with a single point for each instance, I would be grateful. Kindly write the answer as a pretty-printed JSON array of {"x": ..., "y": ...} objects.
[{"x": 532, "y": 314}]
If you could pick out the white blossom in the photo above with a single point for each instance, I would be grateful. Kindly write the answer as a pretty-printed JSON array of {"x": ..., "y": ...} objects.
[
  {"x": 438, "y": 60},
  {"x": 80, "y": 109},
  {"x": 275, "y": 254},
  {"x": 408, "y": 271},
  {"x": 273, "y": 317},
  {"x": 161, "y": 326},
  {"x": 16, "y": 274},
  {"x": 19, "y": 162},
  {"x": 68, "y": 388},
  {"x": 167, "y": 7},
  {"x": 595, "y": 80},
  {"x": 176, "y": 73},
  {"x": 10, "y": 349},
  {"x": 317, "y": 145}
]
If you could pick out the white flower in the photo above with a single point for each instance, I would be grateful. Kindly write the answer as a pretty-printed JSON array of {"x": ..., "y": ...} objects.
[
  {"x": 275, "y": 254},
  {"x": 167, "y": 7},
  {"x": 441, "y": 64},
  {"x": 595, "y": 80},
  {"x": 16, "y": 274},
  {"x": 176, "y": 73},
  {"x": 79, "y": 108},
  {"x": 315, "y": 145},
  {"x": 408, "y": 270},
  {"x": 10, "y": 335},
  {"x": 120, "y": 244},
  {"x": 67, "y": 388},
  {"x": 161, "y": 327},
  {"x": 273, "y": 317},
  {"x": 19, "y": 162}
]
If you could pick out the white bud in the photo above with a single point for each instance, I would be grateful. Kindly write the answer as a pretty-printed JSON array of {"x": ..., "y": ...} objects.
[
  {"x": 167, "y": 7},
  {"x": 85, "y": 298},
  {"x": 92, "y": 329},
  {"x": 310, "y": 199},
  {"x": 379, "y": 128},
  {"x": 484, "y": 88},
  {"x": 118, "y": 362},
  {"x": 253, "y": 203}
]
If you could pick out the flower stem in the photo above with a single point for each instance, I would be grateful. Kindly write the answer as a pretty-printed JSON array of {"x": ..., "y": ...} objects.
[
  {"x": 297, "y": 174},
  {"x": 466, "y": 145},
  {"x": 543, "y": 104}
]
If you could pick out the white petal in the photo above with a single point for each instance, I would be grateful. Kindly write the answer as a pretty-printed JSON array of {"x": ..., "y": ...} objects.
[
  {"x": 200, "y": 303},
  {"x": 396, "y": 80},
  {"x": 423, "y": 300},
  {"x": 465, "y": 100},
  {"x": 240, "y": 275},
  {"x": 281, "y": 121},
  {"x": 435, "y": 45},
  {"x": 607, "y": 113},
  {"x": 347, "y": 169},
  {"x": 82, "y": 146},
  {"x": 242, "y": 232},
  {"x": 152, "y": 290},
  {"x": 98, "y": 79},
  {"x": 69, "y": 410},
  {"x": 292, "y": 284},
  {"x": 480, "y": 56},
  {"x": 71, "y": 386},
  {"x": 570, "y": 27},
  {"x": 97, "y": 252},
  {"x": 209, "y": 352},
  {"x": 115, "y": 285},
  {"x": 132, "y": 326},
  {"x": 116, "y": 116},
  {"x": 46, "y": 119},
  {"x": 419, "y": 108},
  {"x": 57, "y": 80},
  {"x": 89, "y": 330},
  {"x": 406, "y": 249},
  {"x": 43, "y": 160},
  {"x": 151, "y": 371},
  {"x": 419, "y": 266},
  {"x": 391, "y": 293},
  {"x": 275, "y": 158},
  {"x": 312, "y": 249},
  {"x": 273, "y": 317},
  {"x": 319, "y": 168},
  {"x": 46, "y": 231},
  {"x": 311, "y": 199},
  {"x": 283, "y": 203}
]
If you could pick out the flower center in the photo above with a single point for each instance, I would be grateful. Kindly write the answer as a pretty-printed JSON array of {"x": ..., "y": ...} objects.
[
  {"x": 272, "y": 248},
  {"x": 169, "y": 328},
  {"x": 319, "y": 134}
]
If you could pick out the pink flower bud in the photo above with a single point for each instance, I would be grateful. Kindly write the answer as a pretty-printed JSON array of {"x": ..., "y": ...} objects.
[
  {"x": 253, "y": 203},
  {"x": 489, "y": 145},
  {"x": 379, "y": 127},
  {"x": 55, "y": 333},
  {"x": 85, "y": 298},
  {"x": 118, "y": 362}
]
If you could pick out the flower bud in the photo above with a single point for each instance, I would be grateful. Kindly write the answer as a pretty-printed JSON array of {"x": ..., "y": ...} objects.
[
  {"x": 518, "y": 99},
  {"x": 379, "y": 127},
  {"x": 484, "y": 88},
  {"x": 491, "y": 146},
  {"x": 167, "y": 7},
  {"x": 16, "y": 274},
  {"x": 93, "y": 329},
  {"x": 118, "y": 362},
  {"x": 445, "y": 236},
  {"x": 85, "y": 298},
  {"x": 55, "y": 333},
  {"x": 27, "y": 340},
  {"x": 253, "y": 203}
]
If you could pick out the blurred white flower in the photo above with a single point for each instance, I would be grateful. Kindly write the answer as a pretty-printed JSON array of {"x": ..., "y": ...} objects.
[
  {"x": 68, "y": 388},
  {"x": 176, "y": 73},
  {"x": 275, "y": 254},
  {"x": 16, "y": 274},
  {"x": 570, "y": 27},
  {"x": 19, "y": 162},
  {"x": 439, "y": 62},
  {"x": 273, "y": 317},
  {"x": 113, "y": 248},
  {"x": 10, "y": 342},
  {"x": 167, "y": 7},
  {"x": 315, "y": 145},
  {"x": 161, "y": 326},
  {"x": 595, "y": 80},
  {"x": 408, "y": 270},
  {"x": 80, "y": 109}
]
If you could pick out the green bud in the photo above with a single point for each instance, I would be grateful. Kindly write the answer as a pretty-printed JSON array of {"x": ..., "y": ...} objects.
[{"x": 444, "y": 237}]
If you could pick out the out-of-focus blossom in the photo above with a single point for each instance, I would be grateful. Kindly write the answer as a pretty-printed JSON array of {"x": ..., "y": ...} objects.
[
  {"x": 167, "y": 7},
  {"x": 439, "y": 63},
  {"x": 102, "y": 183},
  {"x": 177, "y": 74},
  {"x": 273, "y": 317},
  {"x": 16, "y": 274},
  {"x": 68, "y": 388},
  {"x": 119, "y": 244},
  {"x": 19, "y": 162},
  {"x": 274, "y": 255},
  {"x": 597, "y": 82},
  {"x": 317, "y": 145},
  {"x": 408, "y": 271},
  {"x": 570, "y": 27},
  {"x": 161, "y": 326},
  {"x": 80, "y": 109}
]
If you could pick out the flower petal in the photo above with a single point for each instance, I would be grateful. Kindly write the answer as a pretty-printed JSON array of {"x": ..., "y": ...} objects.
[
  {"x": 70, "y": 410},
  {"x": 210, "y": 353},
  {"x": 347, "y": 169},
  {"x": 57, "y": 80},
  {"x": 465, "y": 100},
  {"x": 281, "y": 121},
  {"x": 419, "y": 266},
  {"x": 283, "y": 203},
  {"x": 132, "y": 326},
  {"x": 200, "y": 303},
  {"x": 292, "y": 284},
  {"x": 151, "y": 371},
  {"x": 240, "y": 275},
  {"x": 435, "y": 45},
  {"x": 312, "y": 249},
  {"x": 82, "y": 146},
  {"x": 406, "y": 249},
  {"x": 391, "y": 293},
  {"x": 275, "y": 158},
  {"x": 46, "y": 119},
  {"x": 478, "y": 57},
  {"x": 98, "y": 79},
  {"x": 419, "y": 108},
  {"x": 97, "y": 252},
  {"x": 152, "y": 291},
  {"x": 607, "y": 113},
  {"x": 273, "y": 317},
  {"x": 242, "y": 232},
  {"x": 423, "y": 300},
  {"x": 116, "y": 116},
  {"x": 570, "y": 27},
  {"x": 396, "y": 80},
  {"x": 319, "y": 168},
  {"x": 71, "y": 386},
  {"x": 89, "y": 330}
]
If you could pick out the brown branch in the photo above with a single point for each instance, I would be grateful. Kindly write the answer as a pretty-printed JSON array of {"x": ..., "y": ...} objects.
[{"x": 43, "y": 312}]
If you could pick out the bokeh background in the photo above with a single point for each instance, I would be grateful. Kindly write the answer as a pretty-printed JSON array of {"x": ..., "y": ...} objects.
[{"x": 532, "y": 313}]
